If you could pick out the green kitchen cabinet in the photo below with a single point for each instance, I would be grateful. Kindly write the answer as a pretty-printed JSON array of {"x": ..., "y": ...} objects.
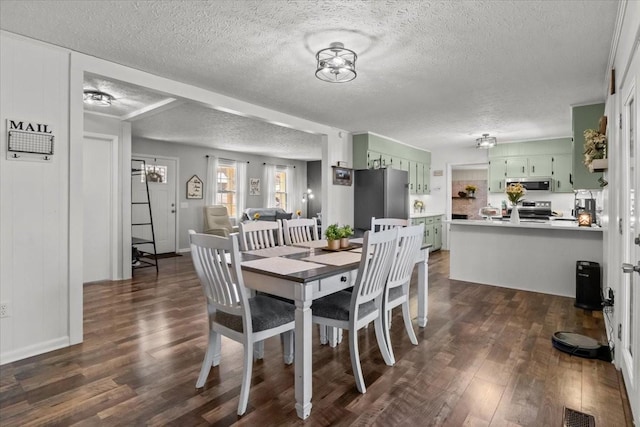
[
  {"x": 540, "y": 166},
  {"x": 497, "y": 174},
  {"x": 562, "y": 173},
  {"x": 369, "y": 147},
  {"x": 517, "y": 167},
  {"x": 584, "y": 117},
  {"x": 542, "y": 159},
  {"x": 432, "y": 234}
]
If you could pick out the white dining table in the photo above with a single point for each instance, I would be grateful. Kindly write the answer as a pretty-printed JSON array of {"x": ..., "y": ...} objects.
[{"x": 302, "y": 278}]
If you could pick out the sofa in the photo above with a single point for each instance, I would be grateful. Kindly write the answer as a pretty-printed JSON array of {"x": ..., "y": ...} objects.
[{"x": 266, "y": 214}]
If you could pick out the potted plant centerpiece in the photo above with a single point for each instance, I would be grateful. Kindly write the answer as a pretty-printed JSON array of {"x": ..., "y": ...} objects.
[
  {"x": 471, "y": 190},
  {"x": 345, "y": 232},
  {"x": 515, "y": 193},
  {"x": 333, "y": 235}
]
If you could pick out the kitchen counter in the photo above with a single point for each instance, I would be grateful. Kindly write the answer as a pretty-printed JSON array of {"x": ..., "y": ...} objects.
[
  {"x": 537, "y": 224},
  {"x": 539, "y": 257},
  {"x": 424, "y": 214}
]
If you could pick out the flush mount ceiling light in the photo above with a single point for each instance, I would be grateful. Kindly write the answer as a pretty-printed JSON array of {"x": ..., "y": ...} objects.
[
  {"x": 336, "y": 64},
  {"x": 98, "y": 98},
  {"x": 486, "y": 141}
]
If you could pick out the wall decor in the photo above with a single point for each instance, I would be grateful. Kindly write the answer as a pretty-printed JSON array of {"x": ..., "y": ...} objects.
[
  {"x": 342, "y": 176},
  {"x": 29, "y": 141},
  {"x": 254, "y": 186},
  {"x": 194, "y": 188}
]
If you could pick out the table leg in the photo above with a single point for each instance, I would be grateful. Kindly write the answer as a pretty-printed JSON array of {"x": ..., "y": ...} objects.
[
  {"x": 303, "y": 361},
  {"x": 423, "y": 288}
]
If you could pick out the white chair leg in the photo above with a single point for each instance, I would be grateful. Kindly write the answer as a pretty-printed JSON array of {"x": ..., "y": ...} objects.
[
  {"x": 355, "y": 361},
  {"x": 208, "y": 361},
  {"x": 340, "y": 330},
  {"x": 332, "y": 336},
  {"x": 407, "y": 323},
  {"x": 381, "y": 334},
  {"x": 217, "y": 354},
  {"x": 387, "y": 336},
  {"x": 246, "y": 378},
  {"x": 323, "y": 334},
  {"x": 258, "y": 350},
  {"x": 287, "y": 340}
]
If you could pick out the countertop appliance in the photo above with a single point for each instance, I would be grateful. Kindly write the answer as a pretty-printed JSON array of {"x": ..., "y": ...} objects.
[
  {"x": 531, "y": 210},
  {"x": 532, "y": 184},
  {"x": 584, "y": 202},
  {"x": 382, "y": 193}
]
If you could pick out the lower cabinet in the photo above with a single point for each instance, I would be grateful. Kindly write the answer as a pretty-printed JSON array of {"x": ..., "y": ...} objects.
[{"x": 432, "y": 230}]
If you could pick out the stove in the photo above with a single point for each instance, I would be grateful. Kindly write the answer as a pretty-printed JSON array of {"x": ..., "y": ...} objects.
[{"x": 533, "y": 210}]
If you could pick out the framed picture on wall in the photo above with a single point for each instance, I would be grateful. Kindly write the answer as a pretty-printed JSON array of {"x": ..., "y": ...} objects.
[
  {"x": 342, "y": 176},
  {"x": 194, "y": 188},
  {"x": 254, "y": 186}
]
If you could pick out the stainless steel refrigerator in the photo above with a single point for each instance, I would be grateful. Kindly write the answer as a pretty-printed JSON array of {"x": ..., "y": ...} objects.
[{"x": 380, "y": 193}]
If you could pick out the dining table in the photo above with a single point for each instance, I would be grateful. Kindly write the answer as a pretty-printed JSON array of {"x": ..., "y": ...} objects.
[{"x": 308, "y": 271}]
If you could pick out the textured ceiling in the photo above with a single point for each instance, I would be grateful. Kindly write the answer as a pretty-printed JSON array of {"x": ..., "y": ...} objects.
[{"x": 429, "y": 73}]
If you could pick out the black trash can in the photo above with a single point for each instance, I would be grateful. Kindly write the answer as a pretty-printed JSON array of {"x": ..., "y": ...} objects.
[{"x": 588, "y": 280}]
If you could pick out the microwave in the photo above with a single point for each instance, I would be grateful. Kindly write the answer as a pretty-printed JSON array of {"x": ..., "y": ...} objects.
[{"x": 532, "y": 184}]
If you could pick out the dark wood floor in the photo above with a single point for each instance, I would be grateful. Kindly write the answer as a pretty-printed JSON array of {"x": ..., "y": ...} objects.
[{"x": 484, "y": 359}]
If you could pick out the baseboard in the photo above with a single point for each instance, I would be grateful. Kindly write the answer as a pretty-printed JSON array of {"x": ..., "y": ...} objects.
[
  {"x": 183, "y": 250},
  {"x": 34, "y": 350}
]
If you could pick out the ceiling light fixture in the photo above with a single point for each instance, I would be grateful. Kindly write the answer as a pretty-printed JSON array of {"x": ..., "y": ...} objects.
[
  {"x": 486, "y": 141},
  {"x": 98, "y": 98},
  {"x": 336, "y": 64}
]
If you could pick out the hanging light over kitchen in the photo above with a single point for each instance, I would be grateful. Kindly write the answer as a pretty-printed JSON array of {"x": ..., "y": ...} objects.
[{"x": 486, "y": 141}]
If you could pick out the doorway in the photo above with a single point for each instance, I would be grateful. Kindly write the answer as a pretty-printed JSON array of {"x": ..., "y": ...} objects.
[{"x": 162, "y": 180}]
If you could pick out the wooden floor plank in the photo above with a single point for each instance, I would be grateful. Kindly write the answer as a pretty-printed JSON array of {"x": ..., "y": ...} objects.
[{"x": 484, "y": 359}]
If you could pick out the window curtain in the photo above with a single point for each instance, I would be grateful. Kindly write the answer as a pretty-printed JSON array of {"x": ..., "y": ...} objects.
[
  {"x": 242, "y": 184},
  {"x": 212, "y": 181},
  {"x": 294, "y": 190},
  {"x": 269, "y": 186}
]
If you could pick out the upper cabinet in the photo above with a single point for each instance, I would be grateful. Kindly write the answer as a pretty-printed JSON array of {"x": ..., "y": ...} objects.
[
  {"x": 372, "y": 151},
  {"x": 541, "y": 159},
  {"x": 585, "y": 117}
]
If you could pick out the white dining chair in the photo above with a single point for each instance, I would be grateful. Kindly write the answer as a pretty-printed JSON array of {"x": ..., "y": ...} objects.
[
  {"x": 232, "y": 312},
  {"x": 397, "y": 290},
  {"x": 260, "y": 235},
  {"x": 299, "y": 230},
  {"x": 354, "y": 310},
  {"x": 381, "y": 224}
]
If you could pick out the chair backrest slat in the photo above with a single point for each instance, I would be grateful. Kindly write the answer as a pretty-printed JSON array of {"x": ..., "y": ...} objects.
[
  {"x": 260, "y": 235},
  {"x": 299, "y": 230},
  {"x": 215, "y": 259},
  {"x": 377, "y": 255},
  {"x": 409, "y": 243},
  {"x": 381, "y": 224}
]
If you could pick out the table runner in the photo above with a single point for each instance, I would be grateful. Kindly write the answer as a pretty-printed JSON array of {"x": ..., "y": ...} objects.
[
  {"x": 277, "y": 251},
  {"x": 281, "y": 265}
]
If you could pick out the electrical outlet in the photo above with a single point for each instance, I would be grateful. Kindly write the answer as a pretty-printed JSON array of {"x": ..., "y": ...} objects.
[{"x": 4, "y": 309}]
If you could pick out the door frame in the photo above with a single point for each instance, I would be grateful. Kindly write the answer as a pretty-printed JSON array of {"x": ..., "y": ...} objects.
[
  {"x": 626, "y": 363},
  {"x": 177, "y": 192},
  {"x": 114, "y": 214}
]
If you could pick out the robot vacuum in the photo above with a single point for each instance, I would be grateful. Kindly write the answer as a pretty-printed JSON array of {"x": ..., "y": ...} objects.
[{"x": 580, "y": 345}]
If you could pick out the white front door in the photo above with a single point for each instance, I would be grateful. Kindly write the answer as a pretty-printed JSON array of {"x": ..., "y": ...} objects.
[
  {"x": 162, "y": 194},
  {"x": 99, "y": 193},
  {"x": 629, "y": 299}
]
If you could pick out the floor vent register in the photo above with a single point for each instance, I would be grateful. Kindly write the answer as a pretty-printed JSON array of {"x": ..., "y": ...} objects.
[{"x": 573, "y": 418}]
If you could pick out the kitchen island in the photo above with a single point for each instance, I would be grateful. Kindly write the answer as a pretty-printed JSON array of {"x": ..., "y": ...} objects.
[{"x": 533, "y": 256}]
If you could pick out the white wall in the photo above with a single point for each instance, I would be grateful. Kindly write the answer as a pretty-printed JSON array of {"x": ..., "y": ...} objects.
[
  {"x": 34, "y": 216},
  {"x": 192, "y": 161}
]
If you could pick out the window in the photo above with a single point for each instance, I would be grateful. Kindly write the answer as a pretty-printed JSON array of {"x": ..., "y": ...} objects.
[
  {"x": 227, "y": 186},
  {"x": 281, "y": 187},
  {"x": 155, "y": 173}
]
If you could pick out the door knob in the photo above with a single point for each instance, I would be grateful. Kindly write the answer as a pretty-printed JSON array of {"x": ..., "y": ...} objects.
[
  {"x": 629, "y": 268},
  {"x": 173, "y": 211}
]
